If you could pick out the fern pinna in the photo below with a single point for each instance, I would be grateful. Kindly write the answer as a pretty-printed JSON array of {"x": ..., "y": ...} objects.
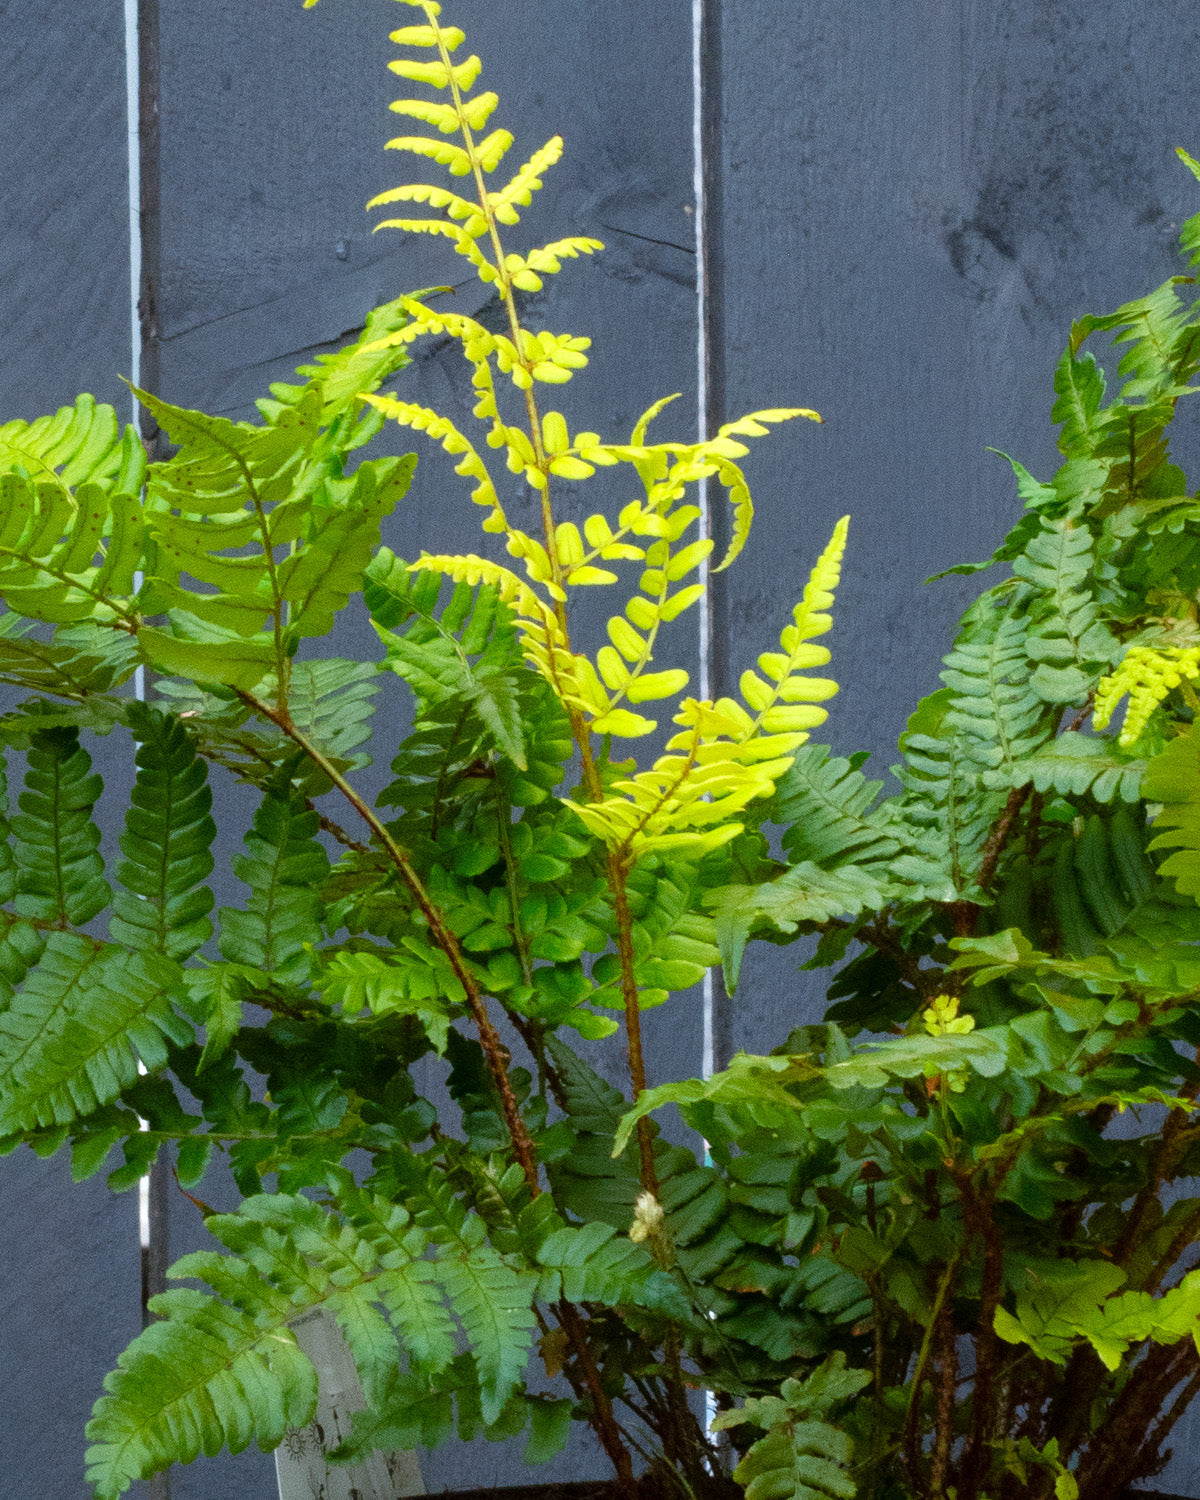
[{"x": 517, "y": 879}]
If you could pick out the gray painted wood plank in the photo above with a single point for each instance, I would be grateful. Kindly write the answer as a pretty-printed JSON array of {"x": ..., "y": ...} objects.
[
  {"x": 273, "y": 121},
  {"x": 917, "y": 199},
  {"x": 69, "y": 1261}
]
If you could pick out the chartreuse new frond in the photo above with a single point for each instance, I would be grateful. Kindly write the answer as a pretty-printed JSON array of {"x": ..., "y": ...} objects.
[
  {"x": 79, "y": 444},
  {"x": 1148, "y": 675},
  {"x": 70, "y": 522},
  {"x": 728, "y": 754}
]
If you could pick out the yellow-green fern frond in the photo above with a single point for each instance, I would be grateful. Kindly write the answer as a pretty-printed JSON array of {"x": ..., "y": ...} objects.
[
  {"x": 1149, "y": 676},
  {"x": 470, "y": 465},
  {"x": 453, "y": 158},
  {"x": 436, "y": 74},
  {"x": 785, "y": 705},
  {"x": 725, "y": 756},
  {"x": 648, "y": 416},
  {"x": 471, "y": 569},
  {"x": 458, "y": 208},
  {"x": 520, "y": 190},
  {"x": 526, "y": 271},
  {"x": 690, "y": 800},
  {"x": 450, "y": 37},
  {"x": 725, "y": 448},
  {"x": 464, "y": 244}
]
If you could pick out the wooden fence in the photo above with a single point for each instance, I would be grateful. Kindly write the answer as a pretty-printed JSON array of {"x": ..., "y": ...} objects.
[{"x": 905, "y": 203}]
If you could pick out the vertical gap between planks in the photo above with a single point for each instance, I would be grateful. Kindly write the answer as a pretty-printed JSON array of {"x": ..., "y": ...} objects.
[
  {"x": 705, "y": 157},
  {"x": 710, "y": 398},
  {"x": 704, "y": 631},
  {"x": 141, "y": 120}
]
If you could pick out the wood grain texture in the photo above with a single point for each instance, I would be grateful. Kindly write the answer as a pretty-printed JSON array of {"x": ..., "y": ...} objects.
[
  {"x": 69, "y": 1273},
  {"x": 917, "y": 198},
  {"x": 64, "y": 267}
]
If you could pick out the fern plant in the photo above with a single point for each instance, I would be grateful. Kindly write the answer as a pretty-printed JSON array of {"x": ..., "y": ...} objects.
[
  {"x": 988, "y": 1219},
  {"x": 522, "y": 877},
  {"x": 1013, "y": 925}
]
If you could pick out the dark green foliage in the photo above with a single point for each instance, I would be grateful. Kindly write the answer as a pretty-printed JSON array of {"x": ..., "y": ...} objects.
[
  {"x": 60, "y": 875},
  {"x": 168, "y": 830},
  {"x": 804, "y": 1456},
  {"x": 285, "y": 868},
  {"x": 1005, "y": 1281}
]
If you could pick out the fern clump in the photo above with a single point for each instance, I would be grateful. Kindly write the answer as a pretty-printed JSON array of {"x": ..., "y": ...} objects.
[
  {"x": 910, "y": 1258},
  {"x": 517, "y": 880},
  {"x": 1001, "y": 1292}
]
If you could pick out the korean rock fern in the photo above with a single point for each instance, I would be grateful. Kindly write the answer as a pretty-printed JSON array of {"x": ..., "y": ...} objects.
[
  {"x": 518, "y": 880},
  {"x": 992, "y": 1138}
]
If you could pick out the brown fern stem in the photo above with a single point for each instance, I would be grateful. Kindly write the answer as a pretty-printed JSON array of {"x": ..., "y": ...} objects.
[
  {"x": 602, "y": 1413},
  {"x": 494, "y": 1050},
  {"x": 633, "y": 1016}
]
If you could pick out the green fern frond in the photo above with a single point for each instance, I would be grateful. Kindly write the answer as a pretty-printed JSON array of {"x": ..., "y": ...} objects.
[
  {"x": 341, "y": 380},
  {"x": 946, "y": 812},
  {"x": 825, "y": 804},
  {"x": 209, "y": 1374},
  {"x": 465, "y": 653},
  {"x": 285, "y": 868},
  {"x": 491, "y": 1299},
  {"x": 79, "y": 444},
  {"x": 804, "y": 1455},
  {"x": 60, "y": 874},
  {"x": 602, "y": 1187},
  {"x": 1173, "y": 779},
  {"x": 1072, "y": 765},
  {"x": 68, "y": 556},
  {"x": 593, "y": 1263},
  {"x": 235, "y": 486},
  {"x": 168, "y": 830},
  {"x": 994, "y": 704},
  {"x": 1079, "y": 386},
  {"x": 1066, "y": 635},
  {"x": 79, "y": 661},
  {"x": 74, "y": 1033},
  {"x": 403, "y": 984},
  {"x": 805, "y": 893},
  {"x": 330, "y": 702}
]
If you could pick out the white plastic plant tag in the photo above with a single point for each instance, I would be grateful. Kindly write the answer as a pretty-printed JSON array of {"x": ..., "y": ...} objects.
[{"x": 301, "y": 1468}]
